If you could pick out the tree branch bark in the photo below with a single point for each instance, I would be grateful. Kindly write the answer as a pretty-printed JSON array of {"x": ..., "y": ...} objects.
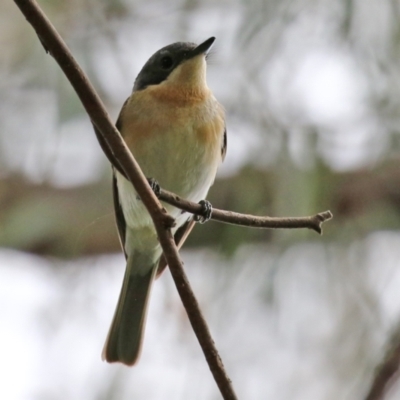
[{"x": 230, "y": 217}]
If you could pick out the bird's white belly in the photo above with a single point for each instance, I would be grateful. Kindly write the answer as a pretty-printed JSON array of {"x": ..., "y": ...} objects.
[{"x": 181, "y": 163}]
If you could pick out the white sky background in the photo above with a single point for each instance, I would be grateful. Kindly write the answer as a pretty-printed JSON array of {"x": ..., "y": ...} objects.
[
  {"x": 287, "y": 325},
  {"x": 314, "y": 336}
]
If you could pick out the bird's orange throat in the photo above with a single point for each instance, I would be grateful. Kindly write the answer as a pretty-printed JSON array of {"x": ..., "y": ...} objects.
[{"x": 186, "y": 84}]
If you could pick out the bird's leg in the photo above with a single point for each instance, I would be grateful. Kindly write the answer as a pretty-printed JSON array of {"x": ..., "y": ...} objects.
[
  {"x": 206, "y": 212},
  {"x": 155, "y": 186}
]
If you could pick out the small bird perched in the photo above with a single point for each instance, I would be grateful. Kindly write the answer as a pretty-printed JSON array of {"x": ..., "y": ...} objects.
[{"x": 175, "y": 129}]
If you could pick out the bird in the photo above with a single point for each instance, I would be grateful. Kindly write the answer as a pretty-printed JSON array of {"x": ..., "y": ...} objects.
[{"x": 175, "y": 128}]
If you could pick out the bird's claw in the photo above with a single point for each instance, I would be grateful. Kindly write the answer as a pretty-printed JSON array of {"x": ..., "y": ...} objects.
[
  {"x": 206, "y": 212},
  {"x": 155, "y": 186}
]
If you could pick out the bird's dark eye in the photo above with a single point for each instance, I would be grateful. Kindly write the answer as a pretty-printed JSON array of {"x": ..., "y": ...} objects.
[{"x": 166, "y": 62}]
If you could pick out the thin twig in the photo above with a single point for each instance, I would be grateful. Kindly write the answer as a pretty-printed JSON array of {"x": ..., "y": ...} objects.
[
  {"x": 114, "y": 143},
  {"x": 230, "y": 217}
]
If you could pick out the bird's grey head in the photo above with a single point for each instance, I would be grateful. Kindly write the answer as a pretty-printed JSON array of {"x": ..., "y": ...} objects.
[{"x": 160, "y": 65}]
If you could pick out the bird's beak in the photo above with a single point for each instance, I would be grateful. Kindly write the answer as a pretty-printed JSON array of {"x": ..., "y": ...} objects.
[{"x": 202, "y": 48}]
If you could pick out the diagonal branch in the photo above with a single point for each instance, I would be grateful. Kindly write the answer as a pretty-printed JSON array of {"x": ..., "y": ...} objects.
[{"x": 115, "y": 145}]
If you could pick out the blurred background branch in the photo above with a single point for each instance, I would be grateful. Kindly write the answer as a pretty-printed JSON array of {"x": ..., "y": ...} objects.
[{"x": 386, "y": 372}]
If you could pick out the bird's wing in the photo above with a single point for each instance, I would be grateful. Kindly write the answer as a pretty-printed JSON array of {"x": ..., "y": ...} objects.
[
  {"x": 119, "y": 214},
  {"x": 224, "y": 145}
]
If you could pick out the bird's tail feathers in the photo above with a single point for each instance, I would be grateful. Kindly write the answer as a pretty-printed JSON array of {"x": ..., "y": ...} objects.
[{"x": 124, "y": 340}]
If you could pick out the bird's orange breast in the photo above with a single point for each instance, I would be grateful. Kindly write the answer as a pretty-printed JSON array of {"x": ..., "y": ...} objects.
[{"x": 165, "y": 110}]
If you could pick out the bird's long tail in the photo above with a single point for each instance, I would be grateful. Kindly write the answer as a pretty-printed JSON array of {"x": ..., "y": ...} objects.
[{"x": 124, "y": 340}]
